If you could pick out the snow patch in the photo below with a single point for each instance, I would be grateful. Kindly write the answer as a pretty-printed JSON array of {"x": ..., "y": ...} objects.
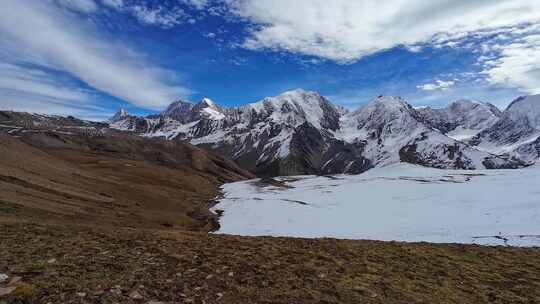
[{"x": 400, "y": 202}]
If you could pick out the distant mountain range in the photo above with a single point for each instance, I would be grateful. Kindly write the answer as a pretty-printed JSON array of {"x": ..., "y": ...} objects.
[{"x": 302, "y": 132}]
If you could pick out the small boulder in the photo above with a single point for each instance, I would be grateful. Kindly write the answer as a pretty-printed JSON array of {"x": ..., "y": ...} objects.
[
  {"x": 3, "y": 277},
  {"x": 5, "y": 291},
  {"x": 135, "y": 295}
]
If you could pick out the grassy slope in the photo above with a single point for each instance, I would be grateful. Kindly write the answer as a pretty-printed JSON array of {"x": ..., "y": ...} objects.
[
  {"x": 113, "y": 181},
  {"x": 178, "y": 267}
]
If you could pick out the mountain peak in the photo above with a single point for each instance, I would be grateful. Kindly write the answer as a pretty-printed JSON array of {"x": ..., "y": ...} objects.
[
  {"x": 389, "y": 102},
  {"x": 209, "y": 109},
  {"x": 525, "y": 108},
  {"x": 467, "y": 101},
  {"x": 122, "y": 112},
  {"x": 119, "y": 115},
  {"x": 299, "y": 93},
  {"x": 208, "y": 102}
]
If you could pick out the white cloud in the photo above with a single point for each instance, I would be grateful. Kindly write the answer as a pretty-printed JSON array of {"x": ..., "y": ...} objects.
[
  {"x": 113, "y": 3},
  {"x": 345, "y": 31},
  {"x": 517, "y": 65},
  {"x": 164, "y": 15},
  {"x": 36, "y": 82},
  {"x": 43, "y": 105},
  {"x": 437, "y": 85},
  {"x": 159, "y": 16},
  {"x": 198, "y": 4},
  {"x": 33, "y": 90},
  {"x": 64, "y": 43},
  {"x": 83, "y": 6}
]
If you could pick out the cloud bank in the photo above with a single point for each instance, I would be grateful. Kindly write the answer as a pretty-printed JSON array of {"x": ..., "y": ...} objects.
[{"x": 345, "y": 31}]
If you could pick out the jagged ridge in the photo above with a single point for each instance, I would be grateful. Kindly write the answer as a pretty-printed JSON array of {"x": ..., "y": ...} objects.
[{"x": 302, "y": 132}]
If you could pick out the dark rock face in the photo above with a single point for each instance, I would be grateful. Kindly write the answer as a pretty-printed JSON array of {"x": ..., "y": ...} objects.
[
  {"x": 180, "y": 111},
  {"x": 455, "y": 158},
  {"x": 516, "y": 133},
  {"x": 318, "y": 153},
  {"x": 504, "y": 132}
]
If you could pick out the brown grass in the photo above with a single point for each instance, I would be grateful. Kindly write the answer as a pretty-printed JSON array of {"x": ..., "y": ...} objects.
[{"x": 183, "y": 267}]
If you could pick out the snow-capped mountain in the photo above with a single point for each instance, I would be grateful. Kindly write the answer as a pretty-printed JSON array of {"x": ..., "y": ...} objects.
[
  {"x": 301, "y": 132},
  {"x": 394, "y": 131},
  {"x": 462, "y": 119},
  {"x": 516, "y": 133}
]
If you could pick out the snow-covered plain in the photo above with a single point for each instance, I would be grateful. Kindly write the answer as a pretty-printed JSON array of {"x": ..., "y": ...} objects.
[{"x": 400, "y": 202}]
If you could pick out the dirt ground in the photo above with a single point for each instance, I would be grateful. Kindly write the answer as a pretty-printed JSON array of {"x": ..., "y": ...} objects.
[{"x": 56, "y": 264}]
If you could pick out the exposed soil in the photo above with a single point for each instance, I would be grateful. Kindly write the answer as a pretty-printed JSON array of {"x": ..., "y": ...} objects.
[{"x": 117, "y": 180}]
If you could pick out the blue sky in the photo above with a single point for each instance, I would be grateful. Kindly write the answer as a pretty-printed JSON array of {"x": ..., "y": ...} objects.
[{"x": 89, "y": 57}]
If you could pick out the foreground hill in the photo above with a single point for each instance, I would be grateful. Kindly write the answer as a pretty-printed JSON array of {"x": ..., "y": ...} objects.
[
  {"x": 66, "y": 170},
  {"x": 302, "y": 132},
  {"x": 67, "y": 265}
]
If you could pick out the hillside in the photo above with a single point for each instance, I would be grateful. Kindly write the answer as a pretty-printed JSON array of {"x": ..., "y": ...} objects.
[
  {"x": 136, "y": 266},
  {"x": 95, "y": 176}
]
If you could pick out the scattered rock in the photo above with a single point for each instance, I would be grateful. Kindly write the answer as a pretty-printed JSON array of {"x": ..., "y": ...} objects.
[
  {"x": 51, "y": 261},
  {"x": 99, "y": 292},
  {"x": 117, "y": 290},
  {"x": 4, "y": 291},
  {"x": 231, "y": 274},
  {"x": 3, "y": 277},
  {"x": 219, "y": 295},
  {"x": 322, "y": 276},
  {"x": 81, "y": 294},
  {"x": 14, "y": 281},
  {"x": 136, "y": 295},
  {"x": 365, "y": 291},
  {"x": 208, "y": 277}
]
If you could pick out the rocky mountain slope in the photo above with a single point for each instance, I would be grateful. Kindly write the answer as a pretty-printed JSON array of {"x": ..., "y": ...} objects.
[
  {"x": 66, "y": 170},
  {"x": 462, "y": 119},
  {"x": 302, "y": 132},
  {"x": 517, "y": 132}
]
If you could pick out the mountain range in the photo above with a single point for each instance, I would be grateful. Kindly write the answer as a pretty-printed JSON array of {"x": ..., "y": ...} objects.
[{"x": 302, "y": 132}]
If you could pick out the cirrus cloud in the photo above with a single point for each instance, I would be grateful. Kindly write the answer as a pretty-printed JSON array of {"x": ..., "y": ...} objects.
[
  {"x": 65, "y": 44},
  {"x": 437, "y": 85}
]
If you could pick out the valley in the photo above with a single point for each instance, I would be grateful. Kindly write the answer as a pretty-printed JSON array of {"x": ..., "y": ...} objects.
[
  {"x": 314, "y": 204},
  {"x": 269, "y": 152}
]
